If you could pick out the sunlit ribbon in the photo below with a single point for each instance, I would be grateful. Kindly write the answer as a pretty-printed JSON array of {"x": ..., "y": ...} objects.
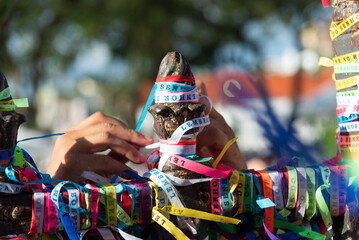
[{"x": 10, "y": 105}]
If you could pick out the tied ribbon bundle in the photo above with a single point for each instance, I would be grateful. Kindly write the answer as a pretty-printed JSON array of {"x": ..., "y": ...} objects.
[
  {"x": 166, "y": 91},
  {"x": 347, "y": 93},
  {"x": 287, "y": 200}
]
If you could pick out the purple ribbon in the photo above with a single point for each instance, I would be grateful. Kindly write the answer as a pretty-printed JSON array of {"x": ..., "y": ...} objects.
[
  {"x": 282, "y": 162},
  {"x": 236, "y": 203},
  {"x": 270, "y": 235}
]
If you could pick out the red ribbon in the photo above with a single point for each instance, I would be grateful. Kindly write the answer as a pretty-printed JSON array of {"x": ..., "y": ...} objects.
[
  {"x": 177, "y": 78},
  {"x": 325, "y": 3},
  {"x": 126, "y": 203}
]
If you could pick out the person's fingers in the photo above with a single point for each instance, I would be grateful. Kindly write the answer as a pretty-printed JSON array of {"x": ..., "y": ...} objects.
[
  {"x": 221, "y": 125},
  {"x": 117, "y": 156},
  {"x": 94, "y": 119},
  {"x": 202, "y": 89},
  {"x": 119, "y": 130},
  {"x": 214, "y": 143},
  {"x": 213, "y": 114},
  {"x": 101, "y": 163},
  {"x": 75, "y": 150},
  {"x": 100, "y": 122},
  {"x": 99, "y": 142},
  {"x": 75, "y": 164}
]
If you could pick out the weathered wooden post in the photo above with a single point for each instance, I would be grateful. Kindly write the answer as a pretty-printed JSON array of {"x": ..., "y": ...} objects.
[
  {"x": 9, "y": 120},
  {"x": 14, "y": 211},
  {"x": 170, "y": 115}
]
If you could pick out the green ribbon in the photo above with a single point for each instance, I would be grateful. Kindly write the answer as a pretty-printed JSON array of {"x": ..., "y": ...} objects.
[
  {"x": 353, "y": 168},
  {"x": 322, "y": 205},
  {"x": 311, "y": 186},
  {"x": 22, "y": 102},
  {"x": 292, "y": 191},
  {"x": 87, "y": 223},
  {"x": 229, "y": 228},
  {"x": 247, "y": 205},
  {"x": 5, "y": 94},
  {"x": 202, "y": 228},
  {"x": 281, "y": 223},
  {"x": 300, "y": 162},
  {"x": 292, "y": 187},
  {"x": 298, "y": 230},
  {"x": 325, "y": 172},
  {"x": 199, "y": 159},
  {"x": 212, "y": 234}
]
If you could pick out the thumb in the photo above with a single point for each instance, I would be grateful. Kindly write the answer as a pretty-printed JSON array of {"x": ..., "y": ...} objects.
[{"x": 201, "y": 88}]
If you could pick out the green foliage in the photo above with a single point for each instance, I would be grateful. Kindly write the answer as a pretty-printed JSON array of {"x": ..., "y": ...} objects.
[{"x": 40, "y": 40}]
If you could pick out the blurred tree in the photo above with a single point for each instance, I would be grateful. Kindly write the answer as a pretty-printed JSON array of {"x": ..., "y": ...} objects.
[{"x": 40, "y": 40}]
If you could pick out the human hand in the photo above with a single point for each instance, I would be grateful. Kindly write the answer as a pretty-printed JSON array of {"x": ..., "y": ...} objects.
[
  {"x": 214, "y": 137},
  {"x": 75, "y": 151}
]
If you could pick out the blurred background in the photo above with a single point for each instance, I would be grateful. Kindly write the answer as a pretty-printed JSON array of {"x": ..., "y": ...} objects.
[{"x": 259, "y": 60}]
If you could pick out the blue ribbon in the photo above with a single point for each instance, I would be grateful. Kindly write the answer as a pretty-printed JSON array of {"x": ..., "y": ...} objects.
[
  {"x": 43, "y": 179},
  {"x": 128, "y": 172},
  {"x": 226, "y": 203},
  {"x": 344, "y": 119},
  {"x": 39, "y": 137},
  {"x": 145, "y": 108},
  {"x": 250, "y": 235},
  {"x": 173, "y": 87},
  {"x": 289, "y": 236},
  {"x": 6, "y": 154}
]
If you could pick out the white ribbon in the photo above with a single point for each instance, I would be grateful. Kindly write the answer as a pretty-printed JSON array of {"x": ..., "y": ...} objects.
[
  {"x": 94, "y": 177},
  {"x": 277, "y": 190},
  {"x": 349, "y": 109},
  {"x": 74, "y": 205},
  {"x": 185, "y": 182},
  {"x": 39, "y": 208},
  {"x": 178, "y": 149},
  {"x": 173, "y": 196},
  {"x": 185, "y": 127},
  {"x": 11, "y": 188},
  {"x": 182, "y": 97}
]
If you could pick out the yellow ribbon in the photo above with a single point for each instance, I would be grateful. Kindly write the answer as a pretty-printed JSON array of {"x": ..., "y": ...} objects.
[
  {"x": 241, "y": 186},
  {"x": 111, "y": 204},
  {"x": 234, "y": 180},
  {"x": 228, "y": 144},
  {"x": 168, "y": 225},
  {"x": 186, "y": 212},
  {"x": 346, "y": 58},
  {"x": 337, "y": 28},
  {"x": 325, "y": 62},
  {"x": 347, "y": 82}
]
